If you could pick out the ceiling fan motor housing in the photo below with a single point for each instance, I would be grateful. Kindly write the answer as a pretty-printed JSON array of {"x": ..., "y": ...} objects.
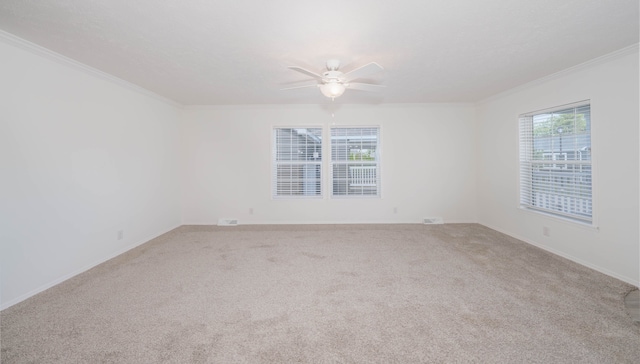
[{"x": 333, "y": 76}]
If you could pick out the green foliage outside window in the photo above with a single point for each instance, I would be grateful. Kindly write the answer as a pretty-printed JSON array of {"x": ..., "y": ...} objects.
[
  {"x": 570, "y": 124},
  {"x": 361, "y": 155}
]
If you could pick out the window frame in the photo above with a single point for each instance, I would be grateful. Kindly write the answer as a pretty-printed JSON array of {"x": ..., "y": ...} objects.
[
  {"x": 275, "y": 163},
  {"x": 526, "y": 184},
  {"x": 378, "y": 164}
]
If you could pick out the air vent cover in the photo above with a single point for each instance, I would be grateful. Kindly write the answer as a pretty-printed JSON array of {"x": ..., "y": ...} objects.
[
  {"x": 432, "y": 221},
  {"x": 227, "y": 222}
]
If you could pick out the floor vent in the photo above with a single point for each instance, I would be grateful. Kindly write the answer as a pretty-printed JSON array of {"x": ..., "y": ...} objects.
[
  {"x": 227, "y": 222},
  {"x": 432, "y": 221}
]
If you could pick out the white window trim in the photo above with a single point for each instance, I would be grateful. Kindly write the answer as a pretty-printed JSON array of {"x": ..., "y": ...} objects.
[
  {"x": 592, "y": 224},
  {"x": 329, "y": 164},
  {"x": 272, "y": 185}
]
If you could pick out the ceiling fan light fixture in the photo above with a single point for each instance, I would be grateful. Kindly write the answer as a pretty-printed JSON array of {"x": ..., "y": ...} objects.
[{"x": 332, "y": 89}]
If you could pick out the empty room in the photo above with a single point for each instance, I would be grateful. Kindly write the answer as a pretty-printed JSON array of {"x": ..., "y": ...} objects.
[{"x": 319, "y": 182}]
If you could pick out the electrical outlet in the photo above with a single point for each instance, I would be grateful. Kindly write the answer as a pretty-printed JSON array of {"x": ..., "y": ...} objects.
[
  {"x": 545, "y": 231},
  {"x": 251, "y": 211},
  {"x": 120, "y": 234},
  {"x": 395, "y": 210}
]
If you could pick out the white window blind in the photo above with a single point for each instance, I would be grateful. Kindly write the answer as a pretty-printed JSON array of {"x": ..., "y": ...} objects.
[
  {"x": 297, "y": 163},
  {"x": 355, "y": 162},
  {"x": 555, "y": 161}
]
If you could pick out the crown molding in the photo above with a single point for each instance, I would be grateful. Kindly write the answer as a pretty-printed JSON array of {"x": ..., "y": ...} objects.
[
  {"x": 33, "y": 48},
  {"x": 632, "y": 49},
  {"x": 322, "y": 106}
]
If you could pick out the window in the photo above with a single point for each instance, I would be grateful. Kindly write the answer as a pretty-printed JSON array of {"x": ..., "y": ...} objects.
[
  {"x": 555, "y": 161},
  {"x": 297, "y": 162},
  {"x": 355, "y": 162}
]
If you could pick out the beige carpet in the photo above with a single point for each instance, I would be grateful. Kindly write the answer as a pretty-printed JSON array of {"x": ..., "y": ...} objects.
[{"x": 328, "y": 294}]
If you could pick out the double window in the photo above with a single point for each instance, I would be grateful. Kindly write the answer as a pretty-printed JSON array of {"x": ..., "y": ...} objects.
[
  {"x": 555, "y": 161},
  {"x": 354, "y": 168}
]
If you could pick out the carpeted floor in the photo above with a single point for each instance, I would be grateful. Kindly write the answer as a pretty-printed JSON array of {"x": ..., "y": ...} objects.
[{"x": 328, "y": 294}]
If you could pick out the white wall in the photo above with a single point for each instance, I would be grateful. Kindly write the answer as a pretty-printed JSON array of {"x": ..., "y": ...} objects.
[
  {"x": 427, "y": 164},
  {"x": 82, "y": 158},
  {"x": 611, "y": 84}
]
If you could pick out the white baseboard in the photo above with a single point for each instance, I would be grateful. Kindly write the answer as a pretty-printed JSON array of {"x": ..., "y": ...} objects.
[
  {"x": 567, "y": 256},
  {"x": 328, "y": 222},
  {"x": 81, "y": 270}
]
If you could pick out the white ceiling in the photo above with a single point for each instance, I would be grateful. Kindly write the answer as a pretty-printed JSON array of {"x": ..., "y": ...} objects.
[{"x": 202, "y": 52}]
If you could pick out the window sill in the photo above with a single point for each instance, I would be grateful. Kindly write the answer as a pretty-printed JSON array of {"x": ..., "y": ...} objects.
[{"x": 561, "y": 219}]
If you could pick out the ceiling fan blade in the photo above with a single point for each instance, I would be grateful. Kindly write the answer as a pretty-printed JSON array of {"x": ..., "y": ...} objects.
[
  {"x": 295, "y": 87},
  {"x": 365, "y": 86},
  {"x": 363, "y": 71},
  {"x": 306, "y": 72}
]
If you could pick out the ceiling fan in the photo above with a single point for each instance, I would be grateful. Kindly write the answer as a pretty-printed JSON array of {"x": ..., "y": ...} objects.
[{"x": 333, "y": 82}]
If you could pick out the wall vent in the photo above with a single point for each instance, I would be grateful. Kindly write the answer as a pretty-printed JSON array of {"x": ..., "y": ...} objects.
[
  {"x": 432, "y": 221},
  {"x": 227, "y": 222}
]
